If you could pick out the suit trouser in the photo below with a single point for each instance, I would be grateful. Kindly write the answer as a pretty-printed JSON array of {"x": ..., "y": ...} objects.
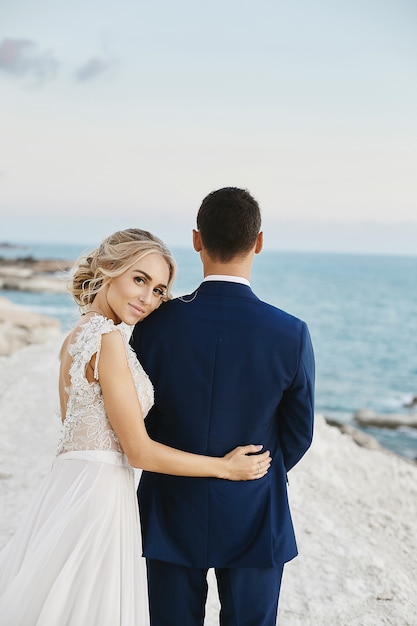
[{"x": 177, "y": 595}]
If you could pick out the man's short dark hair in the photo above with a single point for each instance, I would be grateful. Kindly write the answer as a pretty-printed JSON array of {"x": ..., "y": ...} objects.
[{"x": 229, "y": 221}]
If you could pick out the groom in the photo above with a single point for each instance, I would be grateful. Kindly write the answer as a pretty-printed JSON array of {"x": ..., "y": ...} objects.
[{"x": 228, "y": 369}]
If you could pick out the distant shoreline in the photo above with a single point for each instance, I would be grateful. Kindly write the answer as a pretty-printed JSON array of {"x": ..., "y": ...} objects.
[
  {"x": 283, "y": 249},
  {"x": 36, "y": 275},
  {"x": 7, "y": 244}
]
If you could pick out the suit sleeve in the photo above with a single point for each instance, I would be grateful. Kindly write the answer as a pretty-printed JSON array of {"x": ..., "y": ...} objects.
[
  {"x": 151, "y": 419},
  {"x": 296, "y": 410}
]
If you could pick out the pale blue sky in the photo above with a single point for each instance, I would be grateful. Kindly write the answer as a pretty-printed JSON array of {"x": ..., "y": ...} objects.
[{"x": 126, "y": 113}]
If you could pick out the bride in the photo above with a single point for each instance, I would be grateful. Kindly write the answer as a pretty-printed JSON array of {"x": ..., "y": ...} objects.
[{"x": 76, "y": 558}]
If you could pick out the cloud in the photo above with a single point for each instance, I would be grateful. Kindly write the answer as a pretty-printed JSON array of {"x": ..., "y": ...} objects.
[
  {"x": 92, "y": 68},
  {"x": 21, "y": 57}
]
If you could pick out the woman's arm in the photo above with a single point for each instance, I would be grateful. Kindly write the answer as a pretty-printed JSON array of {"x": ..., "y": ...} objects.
[{"x": 125, "y": 416}]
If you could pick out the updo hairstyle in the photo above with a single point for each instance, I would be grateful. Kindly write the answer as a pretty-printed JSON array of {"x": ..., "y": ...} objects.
[{"x": 116, "y": 254}]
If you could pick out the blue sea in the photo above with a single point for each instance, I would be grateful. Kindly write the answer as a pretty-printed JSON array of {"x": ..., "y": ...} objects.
[{"x": 361, "y": 311}]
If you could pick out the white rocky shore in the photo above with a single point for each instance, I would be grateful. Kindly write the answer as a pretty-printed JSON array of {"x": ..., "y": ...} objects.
[
  {"x": 20, "y": 327},
  {"x": 354, "y": 508},
  {"x": 367, "y": 417}
]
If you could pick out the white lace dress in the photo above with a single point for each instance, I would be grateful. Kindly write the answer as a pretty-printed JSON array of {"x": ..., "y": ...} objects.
[{"x": 76, "y": 559}]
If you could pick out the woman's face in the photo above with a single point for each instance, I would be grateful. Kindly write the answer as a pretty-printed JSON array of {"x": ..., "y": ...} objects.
[{"x": 138, "y": 291}]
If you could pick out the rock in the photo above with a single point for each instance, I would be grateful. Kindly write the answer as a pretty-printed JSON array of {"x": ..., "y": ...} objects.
[
  {"x": 411, "y": 403},
  {"x": 34, "y": 283},
  {"x": 44, "y": 275},
  {"x": 20, "y": 327},
  {"x": 358, "y": 436},
  {"x": 366, "y": 417}
]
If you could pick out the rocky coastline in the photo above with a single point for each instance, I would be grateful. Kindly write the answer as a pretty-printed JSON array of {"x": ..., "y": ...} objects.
[
  {"x": 37, "y": 275},
  {"x": 20, "y": 327}
]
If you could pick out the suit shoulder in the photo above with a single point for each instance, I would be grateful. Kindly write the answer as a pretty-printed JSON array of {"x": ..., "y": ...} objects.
[
  {"x": 283, "y": 317},
  {"x": 158, "y": 316}
]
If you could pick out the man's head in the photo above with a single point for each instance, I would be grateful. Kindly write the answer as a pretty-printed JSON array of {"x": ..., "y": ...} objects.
[{"x": 229, "y": 222}]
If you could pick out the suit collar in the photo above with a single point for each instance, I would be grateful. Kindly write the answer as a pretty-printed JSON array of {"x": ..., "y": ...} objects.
[
  {"x": 228, "y": 279},
  {"x": 225, "y": 288}
]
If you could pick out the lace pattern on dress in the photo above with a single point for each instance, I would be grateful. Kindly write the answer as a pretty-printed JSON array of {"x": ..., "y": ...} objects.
[{"x": 86, "y": 426}]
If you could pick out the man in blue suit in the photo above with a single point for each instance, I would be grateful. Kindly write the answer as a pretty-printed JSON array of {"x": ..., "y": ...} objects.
[{"x": 228, "y": 369}]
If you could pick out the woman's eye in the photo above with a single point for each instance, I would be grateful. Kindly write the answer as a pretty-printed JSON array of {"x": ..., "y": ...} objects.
[
  {"x": 139, "y": 280},
  {"x": 159, "y": 292}
]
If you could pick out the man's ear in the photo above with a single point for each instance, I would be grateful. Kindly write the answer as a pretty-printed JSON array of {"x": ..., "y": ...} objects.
[
  {"x": 197, "y": 240},
  {"x": 259, "y": 243}
]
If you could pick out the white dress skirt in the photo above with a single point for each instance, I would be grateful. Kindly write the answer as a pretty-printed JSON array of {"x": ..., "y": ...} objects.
[{"x": 76, "y": 558}]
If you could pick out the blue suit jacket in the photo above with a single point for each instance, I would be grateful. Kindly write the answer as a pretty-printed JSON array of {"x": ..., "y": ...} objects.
[{"x": 228, "y": 370}]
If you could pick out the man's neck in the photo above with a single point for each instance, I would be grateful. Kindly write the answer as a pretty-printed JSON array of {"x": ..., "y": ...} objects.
[
  {"x": 238, "y": 266},
  {"x": 241, "y": 268}
]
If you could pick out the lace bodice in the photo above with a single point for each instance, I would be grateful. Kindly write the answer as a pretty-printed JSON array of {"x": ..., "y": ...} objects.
[{"x": 86, "y": 426}]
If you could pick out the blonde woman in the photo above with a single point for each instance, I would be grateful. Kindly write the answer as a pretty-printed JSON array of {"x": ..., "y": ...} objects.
[{"x": 76, "y": 558}]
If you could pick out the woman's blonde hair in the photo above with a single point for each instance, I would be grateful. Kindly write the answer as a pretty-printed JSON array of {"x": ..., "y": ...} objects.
[{"x": 116, "y": 254}]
